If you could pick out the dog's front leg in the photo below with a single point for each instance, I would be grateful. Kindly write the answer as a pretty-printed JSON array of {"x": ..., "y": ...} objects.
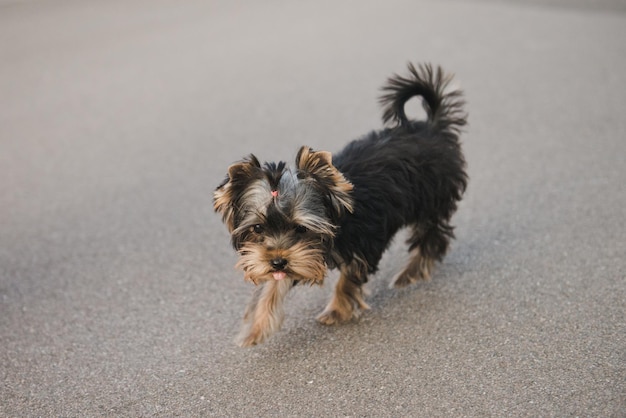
[
  {"x": 265, "y": 313},
  {"x": 347, "y": 301}
]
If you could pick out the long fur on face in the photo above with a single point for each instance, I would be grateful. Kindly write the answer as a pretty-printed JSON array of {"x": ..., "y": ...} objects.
[{"x": 274, "y": 213}]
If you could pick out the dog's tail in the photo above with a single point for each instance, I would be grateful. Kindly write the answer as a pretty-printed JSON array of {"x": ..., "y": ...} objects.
[{"x": 444, "y": 108}]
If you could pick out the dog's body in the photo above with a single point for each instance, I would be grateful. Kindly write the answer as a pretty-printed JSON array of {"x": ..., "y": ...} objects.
[{"x": 342, "y": 211}]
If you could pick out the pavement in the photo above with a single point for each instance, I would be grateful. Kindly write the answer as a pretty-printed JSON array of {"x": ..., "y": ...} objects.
[{"x": 118, "y": 295}]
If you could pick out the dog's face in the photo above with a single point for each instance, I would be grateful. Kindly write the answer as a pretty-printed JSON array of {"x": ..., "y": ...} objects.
[{"x": 282, "y": 221}]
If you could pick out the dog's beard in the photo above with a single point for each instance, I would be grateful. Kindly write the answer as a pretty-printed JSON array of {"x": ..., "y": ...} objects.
[{"x": 305, "y": 263}]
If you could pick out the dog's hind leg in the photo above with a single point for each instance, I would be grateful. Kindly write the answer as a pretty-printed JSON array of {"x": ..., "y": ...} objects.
[
  {"x": 427, "y": 245},
  {"x": 348, "y": 299},
  {"x": 418, "y": 268}
]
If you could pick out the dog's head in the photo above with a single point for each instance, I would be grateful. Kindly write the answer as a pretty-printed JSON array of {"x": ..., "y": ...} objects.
[{"x": 282, "y": 221}]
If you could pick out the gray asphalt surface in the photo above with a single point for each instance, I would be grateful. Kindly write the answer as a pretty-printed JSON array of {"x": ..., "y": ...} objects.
[{"x": 118, "y": 295}]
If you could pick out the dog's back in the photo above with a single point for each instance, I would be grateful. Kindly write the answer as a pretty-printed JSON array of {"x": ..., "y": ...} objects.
[{"x": 410, "y": 174}]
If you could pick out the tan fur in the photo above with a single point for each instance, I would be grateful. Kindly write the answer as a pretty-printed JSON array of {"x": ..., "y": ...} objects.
[
  {"x": 347, "y": 301},
  {"x": 418, "y": 268},
  {"x": 222, "y": 205},
  {"x": 265, "y": 313},
  {"x": 223, "y": 196},
  {"x": 307, "y": 263},
  {"x": 319, "y": 164}
]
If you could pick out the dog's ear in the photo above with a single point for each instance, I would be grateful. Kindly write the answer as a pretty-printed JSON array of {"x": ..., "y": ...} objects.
[
  {"x": 227, "y": 194},
  {"x": 318, "y": 165}
]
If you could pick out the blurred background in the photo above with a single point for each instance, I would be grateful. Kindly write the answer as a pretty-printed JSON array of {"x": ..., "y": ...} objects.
[{"x": 118, "y": 294}]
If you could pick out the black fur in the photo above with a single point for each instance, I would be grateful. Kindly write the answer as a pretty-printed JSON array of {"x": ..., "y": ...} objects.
[{"x": 412, "y": 174}]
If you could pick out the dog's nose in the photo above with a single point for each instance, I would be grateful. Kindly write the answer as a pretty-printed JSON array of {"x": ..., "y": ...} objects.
[{"x": 278, "y": 263}]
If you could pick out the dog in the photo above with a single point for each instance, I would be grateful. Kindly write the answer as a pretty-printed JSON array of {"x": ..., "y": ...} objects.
[{"x": 290, "y": 225}]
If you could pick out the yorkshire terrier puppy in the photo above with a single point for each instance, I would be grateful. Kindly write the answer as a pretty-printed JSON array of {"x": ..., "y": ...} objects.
[{"x": 341, "y": 211}]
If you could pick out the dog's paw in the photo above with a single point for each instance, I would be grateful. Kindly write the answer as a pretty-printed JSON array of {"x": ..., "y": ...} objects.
[
  {"x": 403, "y": 280},
  {"x": 343, "y": 308},
  {"x": 418, "y": 269},
  {"x": 250, "y": 338},
  {"x": 330, "y": 317},
  {"x": 335, "y": 315}
]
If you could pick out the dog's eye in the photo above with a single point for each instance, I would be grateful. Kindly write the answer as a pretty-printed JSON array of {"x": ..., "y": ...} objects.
[
  {"x": 258, "y": 229},
  {"x": 301, "y": 229}
]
